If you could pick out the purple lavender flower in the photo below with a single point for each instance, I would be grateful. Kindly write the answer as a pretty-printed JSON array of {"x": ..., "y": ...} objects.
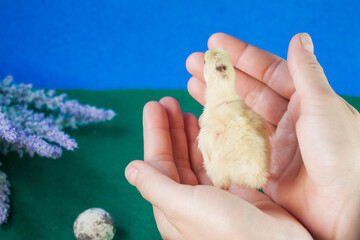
[
  {"x": 39, "y": 125},
  {"x": 4, "y": 197},
  {"x": 34, "y": 144},
  {"x": 24, "y": 127},
  {"x": 72, "y": 114},
  {"x": 19, "y": 124},
  {"x": 7, "y": 132}
]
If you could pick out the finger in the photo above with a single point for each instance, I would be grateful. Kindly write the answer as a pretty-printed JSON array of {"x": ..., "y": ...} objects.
[
  {"x": 157, "y": 141},
  {"x": 195, "y": 157},
  {"x": 262, "y": 202},
  {"x": 178, "y": 140},
  {"x": 259, "y": 97},
  {"x": 252, "y": 91},
  {"x": 266, "y": 205},
  {"x": 200, "y": 120},
  {"x": 165, "y": 227},
  {"x": 195, "y": 65},
  {"x": 154, "y": 186},
  {"x": 193, "y": 205},
  {"x": 196, "y": 89},
  {"x": 262, "y": 65},
  {"x": 160, "y": 191},
  {"x": 248, "y": 194},
  {"x": 308, "y": 76}
]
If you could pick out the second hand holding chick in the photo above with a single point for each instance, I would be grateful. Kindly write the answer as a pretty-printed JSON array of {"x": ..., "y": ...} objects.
[{"x": 233, "y": 139}]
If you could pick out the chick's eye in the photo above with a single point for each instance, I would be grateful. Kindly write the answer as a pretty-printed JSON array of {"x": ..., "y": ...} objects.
[{"x": 221, "y": 68}]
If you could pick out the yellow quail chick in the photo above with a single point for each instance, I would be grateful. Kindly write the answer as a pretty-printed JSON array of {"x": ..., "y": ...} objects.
[{"x": 233, "y": 139}]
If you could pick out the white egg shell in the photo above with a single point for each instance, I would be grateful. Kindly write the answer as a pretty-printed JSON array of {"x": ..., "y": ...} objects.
[{"x": 94, "y": 224}]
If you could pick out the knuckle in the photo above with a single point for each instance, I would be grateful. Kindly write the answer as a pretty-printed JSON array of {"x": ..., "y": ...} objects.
[
  {"x": 310, "y": 64},
  {"x": 252, "y": 97},
  {"x": 307, "y": 66},
  {"x": 269, "y": 72},
  {"x": 313, "y": 66}
]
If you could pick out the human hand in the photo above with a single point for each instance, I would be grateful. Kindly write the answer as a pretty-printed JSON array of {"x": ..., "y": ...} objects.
[
  {"x": 315, "y": 164},
  {"x": 173, "y": 179}
]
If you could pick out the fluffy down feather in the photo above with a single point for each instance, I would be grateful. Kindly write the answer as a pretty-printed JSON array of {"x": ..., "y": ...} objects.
[{"x": 233, "y": 139}]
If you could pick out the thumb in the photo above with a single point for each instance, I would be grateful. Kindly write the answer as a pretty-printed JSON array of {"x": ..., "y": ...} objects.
[
  {"x": 308, "y": 76},
  {"x": 153, "y": 185}
]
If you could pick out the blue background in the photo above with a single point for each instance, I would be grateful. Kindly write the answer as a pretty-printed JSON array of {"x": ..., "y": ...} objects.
[{"x": 119, "y": 44}]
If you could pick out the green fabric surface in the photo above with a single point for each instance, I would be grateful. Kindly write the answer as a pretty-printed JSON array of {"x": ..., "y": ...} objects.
[{"x": 47, "y": 195}]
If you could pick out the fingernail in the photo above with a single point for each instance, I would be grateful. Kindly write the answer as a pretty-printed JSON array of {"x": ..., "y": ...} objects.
[
  {"x": 130, "y": 174},
  {"x": 307, "y": 42}
]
